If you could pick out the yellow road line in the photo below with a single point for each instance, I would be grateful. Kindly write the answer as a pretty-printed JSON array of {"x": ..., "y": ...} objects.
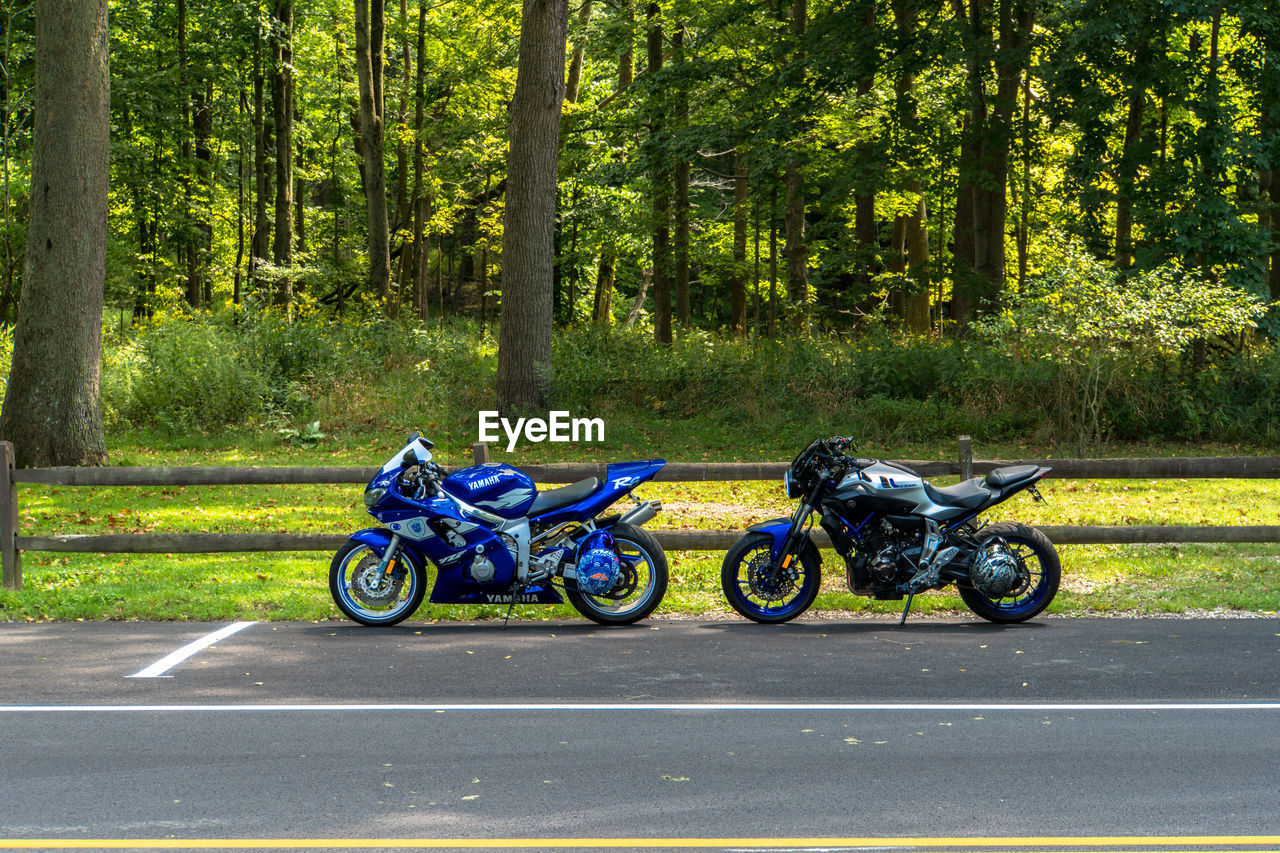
[{"x": 1272, "y": 842}]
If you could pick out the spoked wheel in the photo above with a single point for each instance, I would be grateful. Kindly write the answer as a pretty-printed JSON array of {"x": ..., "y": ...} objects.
[
  {"x": 369, "y": 596},
  {"x": 640, "y": 586},
  {"x": 761, "y": 594},
  {"x": 1023, "y": 576}
]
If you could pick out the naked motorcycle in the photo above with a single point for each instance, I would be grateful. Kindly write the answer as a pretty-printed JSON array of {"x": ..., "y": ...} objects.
[
  {"x": 490, "y": 536},
  {"x": 899, "y": 535}
]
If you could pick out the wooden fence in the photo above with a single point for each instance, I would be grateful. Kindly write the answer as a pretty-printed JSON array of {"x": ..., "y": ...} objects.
[{"x": 12, "y": 544}]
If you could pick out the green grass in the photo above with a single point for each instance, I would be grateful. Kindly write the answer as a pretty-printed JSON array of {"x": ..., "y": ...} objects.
[{"x": 1096, "y": 579}]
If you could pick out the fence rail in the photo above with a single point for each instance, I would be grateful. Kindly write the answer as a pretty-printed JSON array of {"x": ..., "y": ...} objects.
[{"x": 12, "y": 544}]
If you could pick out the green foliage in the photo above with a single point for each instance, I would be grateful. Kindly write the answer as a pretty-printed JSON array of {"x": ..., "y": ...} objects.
[
  {"x": 181, "y": 374},
  {"x": 1116, "y": 342},
  {"x": 1081, "y": 307}
]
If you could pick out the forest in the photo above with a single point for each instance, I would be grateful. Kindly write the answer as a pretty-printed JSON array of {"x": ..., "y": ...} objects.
[
  {"x": 740, "y": 163},
  {"x": 945, "y": 170}
]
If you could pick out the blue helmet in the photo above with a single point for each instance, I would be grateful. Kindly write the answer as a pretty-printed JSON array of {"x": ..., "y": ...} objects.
[{"x": 598, "y": 565}]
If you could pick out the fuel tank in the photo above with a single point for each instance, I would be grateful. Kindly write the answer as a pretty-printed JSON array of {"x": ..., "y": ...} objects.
[
  {"x": 498, "y": 488},
  {"x": 886, "y": 488}
]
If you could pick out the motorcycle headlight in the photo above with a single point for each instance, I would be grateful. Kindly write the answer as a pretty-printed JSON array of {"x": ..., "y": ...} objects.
[
  {"x": 372, "y": 496},
  {"x": 788, "y": 486}
]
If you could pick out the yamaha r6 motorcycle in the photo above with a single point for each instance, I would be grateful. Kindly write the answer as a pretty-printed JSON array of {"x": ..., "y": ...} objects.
[
  {"x": 493, "y": 538},
  {"x": 898, "y": 535}
]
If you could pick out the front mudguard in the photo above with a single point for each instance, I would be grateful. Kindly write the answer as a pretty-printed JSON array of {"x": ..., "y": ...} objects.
[
  {"x": 778, "y": 528},
  {"x": 378, "y": 538}
]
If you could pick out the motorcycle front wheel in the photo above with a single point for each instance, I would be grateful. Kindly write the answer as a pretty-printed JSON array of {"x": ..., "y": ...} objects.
[
  {"x": 640, "y": 587},
  {"x": 1039, "y": 569},
  {"x": 370, "y": 597},
  {"x": 759, "y": 594}
]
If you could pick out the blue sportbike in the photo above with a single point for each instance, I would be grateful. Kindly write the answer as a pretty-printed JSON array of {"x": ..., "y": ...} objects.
[{"x": 490, "y": 536}]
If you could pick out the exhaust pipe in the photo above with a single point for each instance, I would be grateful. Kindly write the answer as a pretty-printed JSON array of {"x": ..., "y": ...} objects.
[{"x": 642, "y": 513}]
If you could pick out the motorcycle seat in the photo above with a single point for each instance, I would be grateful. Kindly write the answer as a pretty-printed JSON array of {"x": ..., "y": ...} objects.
[
  {"x": 967, "y": 495},
  {"x": 1010, "y": 474},
  {"x": 556, "y": 498}
]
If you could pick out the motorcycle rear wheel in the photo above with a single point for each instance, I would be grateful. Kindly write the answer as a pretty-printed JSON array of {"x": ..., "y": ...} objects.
[
  {"x": 640, "y": 589},
  {"x": 1044, "y": 572},
  {"x": 762, "y": 599},
  {"x": 354, "y": 568}
]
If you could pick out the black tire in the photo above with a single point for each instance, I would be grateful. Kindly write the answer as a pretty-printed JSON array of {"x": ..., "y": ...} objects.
[
  {"x": 1037, "y": 557},
  {"x": 355, "y": 558},
  {"x": 745, "y": 593},
  {"x": 641, "y": 588}
]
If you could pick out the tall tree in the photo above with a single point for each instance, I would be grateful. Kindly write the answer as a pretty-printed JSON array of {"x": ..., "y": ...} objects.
[
  {"x": 52, "y": 409},
  {"x": 282, "y": 110},
  {"x": 684, "y": 312},
  {"x": 528, "y": 236},
  {"x": 661, "y": 176},
  {"x": 1269, "y": 92},
  {"x": 738, "y": 279},
  {"x": 997, "y": 43},
  {"x": 261, "y": 242},
  {"x": 370, "y": 37},
  {"x": 793, "y": 176}
]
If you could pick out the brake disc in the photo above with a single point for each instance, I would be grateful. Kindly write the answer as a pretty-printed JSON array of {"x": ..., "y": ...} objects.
[
  {"x": 373, "y": 587},
  {"x": 766, "y": 585}
]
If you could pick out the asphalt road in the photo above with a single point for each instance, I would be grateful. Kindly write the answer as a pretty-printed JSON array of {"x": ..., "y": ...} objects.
[{"x": 945, "y": 734}]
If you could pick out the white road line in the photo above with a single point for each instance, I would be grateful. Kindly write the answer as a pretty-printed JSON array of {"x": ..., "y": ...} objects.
[
  {"x": 169, "y": 661},
  {"x": 674, "y": 706}
]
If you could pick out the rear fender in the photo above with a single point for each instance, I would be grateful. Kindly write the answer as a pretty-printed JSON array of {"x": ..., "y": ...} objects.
[
  {"x": 620, "y": 479},
  {"x": 778, "y": 528}
]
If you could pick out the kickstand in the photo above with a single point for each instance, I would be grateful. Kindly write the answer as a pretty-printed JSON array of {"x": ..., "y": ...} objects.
[
  {"x": 507, "y": 618},
  {"x": 905, "y": 610}
]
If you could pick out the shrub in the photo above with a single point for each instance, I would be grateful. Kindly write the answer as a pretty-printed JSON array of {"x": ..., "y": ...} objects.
[{"x": 180, "y": 374}]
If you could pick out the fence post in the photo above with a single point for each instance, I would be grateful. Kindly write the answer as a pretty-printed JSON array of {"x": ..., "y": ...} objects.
[
  {"x": 480, "y": 452},
  {"x": 10, "y": 556},
  {"x": 965, "y": 448}
]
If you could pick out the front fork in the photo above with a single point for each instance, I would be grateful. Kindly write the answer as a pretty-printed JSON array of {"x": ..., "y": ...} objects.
[
  {"x": 388, "y": 563},
  {"x": 791, "y": 545}
]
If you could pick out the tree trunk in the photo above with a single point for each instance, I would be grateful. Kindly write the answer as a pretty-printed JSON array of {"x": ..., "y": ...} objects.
[
  {"x": 188, "y": 238},
  {"x": 524, "y": 336},
  {"x": 1271, "y": 123},
  {"x": 574, "y": 83},
  {"x": 1274, "y": 281},
  {"x": 917, "y": 247},
  {"x": 661, "y": 191},
  {"x": 771, "y": 323},
  {"x": 602, "y": 307},
  {"x": 370, "y": 31},
  {"x": 738, "y": 296},
  {"x": 241, "y": 162},
  {"x": 419, "y": 200},
  {"x": 261, "y": 241},
  {"x": 982, "y": 204},
  {"x": 864, "y": 218},
  {"x": 7, "y": 298},
  {"x": 282, "y": 112},
  {"x": 912, "y": 245},
  {"x": 202, "y": 125},
  {"x": 606, "y": 272},
  {"x": 684, "y": 311},
  {"x": 797, "y": 251},
  {"x": 52, "y": 409}
]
